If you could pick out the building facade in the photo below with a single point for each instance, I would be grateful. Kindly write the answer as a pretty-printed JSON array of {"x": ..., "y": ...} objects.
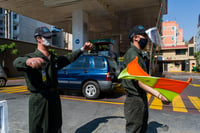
[
  {"x": 175, "y": 55},
  {"x": 171, "y": 34},
  {"x": 197, "y": 37},
  {"x": 19, "y": 27}
]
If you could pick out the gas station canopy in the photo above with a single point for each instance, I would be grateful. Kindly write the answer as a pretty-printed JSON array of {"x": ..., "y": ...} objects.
[{"x": 104, "y": 16}]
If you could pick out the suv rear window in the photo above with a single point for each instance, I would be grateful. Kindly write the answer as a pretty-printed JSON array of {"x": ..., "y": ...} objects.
[{"x": 99, "y": 62}]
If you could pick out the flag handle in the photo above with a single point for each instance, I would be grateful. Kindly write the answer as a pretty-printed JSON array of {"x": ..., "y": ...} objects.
[{"x": 189, "y": 80}]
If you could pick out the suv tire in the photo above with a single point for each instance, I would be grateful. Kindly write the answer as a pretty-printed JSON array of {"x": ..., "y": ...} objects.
[
  {"x": 2, "y": 82},
  {"x": 91, "y": 90}
]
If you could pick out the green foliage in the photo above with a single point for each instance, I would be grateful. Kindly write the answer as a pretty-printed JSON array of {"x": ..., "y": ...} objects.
[
  {"x": 5, "y": 47},
  {"x": 197, "y": 56},
  {"x": 12, "y": 45},
  {"x": 53, "y": 51},
  {"x": 15, "y": 51}
]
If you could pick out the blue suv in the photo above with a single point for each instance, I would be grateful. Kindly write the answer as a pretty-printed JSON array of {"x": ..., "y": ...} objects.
[{"x": 90, "y": 74}]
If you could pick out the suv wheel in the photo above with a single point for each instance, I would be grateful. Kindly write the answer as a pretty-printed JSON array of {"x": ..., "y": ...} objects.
[
  {"x": 2, "y": 82},
  {"x": 91, "y": 90}
]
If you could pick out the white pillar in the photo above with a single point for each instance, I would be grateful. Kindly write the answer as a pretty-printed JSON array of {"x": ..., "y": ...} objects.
[{"x": 79, "y": 28}]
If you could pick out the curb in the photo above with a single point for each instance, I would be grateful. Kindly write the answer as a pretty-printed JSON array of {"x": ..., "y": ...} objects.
[{"x": 14, "y": 78}]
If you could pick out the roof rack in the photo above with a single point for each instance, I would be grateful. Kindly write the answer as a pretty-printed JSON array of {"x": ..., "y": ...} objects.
[{"x": 94, "y": 53}]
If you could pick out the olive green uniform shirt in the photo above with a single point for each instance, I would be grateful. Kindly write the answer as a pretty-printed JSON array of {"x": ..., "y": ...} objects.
[
  {"x": 34, "y": 77},
  {"x": 131, "y": 86},
  {"x": 45, "y": 114}
]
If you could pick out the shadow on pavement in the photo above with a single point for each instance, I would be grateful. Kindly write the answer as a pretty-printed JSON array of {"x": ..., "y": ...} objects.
[
  {"x": 92, "y": 125},
  {"x": 153, "y": 126}
]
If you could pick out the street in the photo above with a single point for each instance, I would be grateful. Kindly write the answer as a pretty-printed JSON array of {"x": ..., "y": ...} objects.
[{"x": 105, "y": 115}]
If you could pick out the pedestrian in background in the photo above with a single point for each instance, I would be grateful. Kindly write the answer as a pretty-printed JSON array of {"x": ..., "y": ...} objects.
[
  {"x": 40, "y": 69},
  {"x": 136, "y": 103}
]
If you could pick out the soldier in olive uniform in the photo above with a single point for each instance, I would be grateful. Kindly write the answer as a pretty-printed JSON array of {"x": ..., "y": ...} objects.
[
  {"x": 40, "y": 69},
  {"x": 136, "y": 104}
]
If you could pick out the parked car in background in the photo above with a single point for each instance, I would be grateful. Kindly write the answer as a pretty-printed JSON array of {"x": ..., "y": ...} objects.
[
  {"x": 90, "y": 74},
  {"x": 3, "y": 77}
]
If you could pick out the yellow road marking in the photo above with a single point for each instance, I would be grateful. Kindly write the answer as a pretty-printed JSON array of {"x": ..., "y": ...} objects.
[
  {"x": 17, "y": 91},
  {"x": 195, "y": 101},
  {"x": 78, "y": 99},
  {"x": 148, "y": 96},
  {"x": 156, "y": 104},
  {"x": 178, "y": 104},
  {"x": 14, "y": 89},
  {"x": 195, "y": 85}
]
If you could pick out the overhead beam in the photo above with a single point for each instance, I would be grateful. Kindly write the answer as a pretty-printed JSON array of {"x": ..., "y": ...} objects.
[
  {"x": 108, "y": 7},
  {"x": 56, "y": 3}
]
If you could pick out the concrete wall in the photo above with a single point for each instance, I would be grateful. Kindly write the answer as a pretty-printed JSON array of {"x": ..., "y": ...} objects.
[{"x": 24, "y": 48}]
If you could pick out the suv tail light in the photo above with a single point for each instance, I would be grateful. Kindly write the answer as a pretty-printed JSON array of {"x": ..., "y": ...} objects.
[{"x": 108, "y": 76}]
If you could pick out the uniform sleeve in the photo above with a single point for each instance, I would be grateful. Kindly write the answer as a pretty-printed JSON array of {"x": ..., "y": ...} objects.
[
  {"x": 67, "y": 59},
  {"x": 129, "y": 56},
  {"x": 20, "y": 63}
]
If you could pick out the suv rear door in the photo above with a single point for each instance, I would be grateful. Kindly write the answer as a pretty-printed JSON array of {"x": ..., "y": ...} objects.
[
  {"x": 99, "y": 68},
  {"x": 72, "y": 76}
]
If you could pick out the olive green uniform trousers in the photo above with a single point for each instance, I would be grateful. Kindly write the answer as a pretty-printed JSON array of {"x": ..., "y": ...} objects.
[
  {"x": 45, "y": 113},
  {"x": 136, "y": 105},
  {"x": 136, "y": 114}
]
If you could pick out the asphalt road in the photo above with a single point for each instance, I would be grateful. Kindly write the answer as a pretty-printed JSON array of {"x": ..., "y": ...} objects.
[
  {"x": 93, "y": 117},
  {"x": 106, "y": 115}
]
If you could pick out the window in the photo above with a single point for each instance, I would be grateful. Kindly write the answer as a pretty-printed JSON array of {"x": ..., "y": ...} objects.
[
  {"x": 15, "y": 27},
  {"x": 99, "y": 62},
  {"x": 191, "y": 51},
  {"x": 164, "y": 28},
  {"x": 1, "y": 22},
  {"x": 160, "y": 53},
  {"x": 14, "y": 15},
  {"x": 15, "y": 37},
  {"x": 180, "y": 51},
  {"x": 1, "y": 11},
  {"x": 81, "y": 63}
]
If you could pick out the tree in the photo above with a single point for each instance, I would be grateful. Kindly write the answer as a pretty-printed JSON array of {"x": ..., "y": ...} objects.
[
  {"x": 4, "y": 48},
  {"x": 197, "y": 56}
]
